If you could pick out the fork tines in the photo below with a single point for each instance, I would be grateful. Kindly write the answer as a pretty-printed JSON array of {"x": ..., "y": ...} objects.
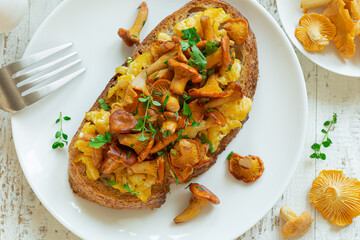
[{"x": 21, "y": 81}]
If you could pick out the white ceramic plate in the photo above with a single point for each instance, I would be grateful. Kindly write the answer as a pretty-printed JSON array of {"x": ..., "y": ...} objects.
[
  {"x": 275, "y": 130},
  {"x": 290, "y": 14}
]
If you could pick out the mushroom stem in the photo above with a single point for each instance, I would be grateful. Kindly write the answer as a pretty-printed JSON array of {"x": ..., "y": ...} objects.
[
  {"x": 287, "y": 214},
  {"x": 246, "y": 162},
  {"x": 331, "y": 193},
  {"x": 192, "y": 210},
  {"x": 315, "y": 36},
  {"x": 140, "y": 19}
]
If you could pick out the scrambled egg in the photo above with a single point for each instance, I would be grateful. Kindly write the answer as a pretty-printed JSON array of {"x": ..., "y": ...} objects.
[
  {"x": 226, "y": 76},
  {"x": 100, "y": 119},
  {"x": 140, "y": 183},
  {"x": 85, "y": 151},
  {"x": 164, "y": 37},
  {"x": 234, "y": 113},
  {"x": 217, "y": 16}
]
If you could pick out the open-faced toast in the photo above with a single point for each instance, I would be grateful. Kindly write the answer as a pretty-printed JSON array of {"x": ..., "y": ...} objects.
[{"x": 85, "y": 174}]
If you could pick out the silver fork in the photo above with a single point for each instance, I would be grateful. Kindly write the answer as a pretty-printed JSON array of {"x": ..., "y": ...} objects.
[{"x": 14, "y": 96}]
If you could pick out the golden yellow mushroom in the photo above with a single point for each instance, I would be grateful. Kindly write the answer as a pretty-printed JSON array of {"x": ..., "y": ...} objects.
[
  {"x": 345, "y": 28},
  {"x": 295, "y": 226},
  {"x": 336, "y": 197},
  {"x": 313, "y": 3},
  {"x": 315, "y": 31},
  {"x": 354, "y": 7}
]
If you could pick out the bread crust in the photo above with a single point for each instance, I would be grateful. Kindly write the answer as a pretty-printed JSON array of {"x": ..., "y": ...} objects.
[{"x": 100, "y": 192}]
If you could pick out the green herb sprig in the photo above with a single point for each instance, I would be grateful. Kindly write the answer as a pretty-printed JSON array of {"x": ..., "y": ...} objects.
[
  {"x": 100, "y": 140},
  {"x": 141, "y": 125},
  {"x": 61, "y": 137},
  {"x": 326, "y": 141}
]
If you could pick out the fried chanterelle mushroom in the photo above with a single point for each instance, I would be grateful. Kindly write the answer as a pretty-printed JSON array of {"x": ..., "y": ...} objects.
[
  {"x": 345, "y": 28},
  {"x": 295, "y": 226},
  {"x": 201, "y": 197},
  {"x": 336, "y": 197},
  {"x": 248, "y": 168},
  {"x": 315, "y": 31},
  {"x": 132, "y": 36}
]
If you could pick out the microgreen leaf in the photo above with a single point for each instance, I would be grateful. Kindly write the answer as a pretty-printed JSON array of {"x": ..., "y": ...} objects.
[
  {"x": 66, "y": 118},
  {"x": 166, "y": 133},
  {"x": 156, "y": 103},
  {"x": 143, "y": 138},
  {"x": 230, "y": 154}
]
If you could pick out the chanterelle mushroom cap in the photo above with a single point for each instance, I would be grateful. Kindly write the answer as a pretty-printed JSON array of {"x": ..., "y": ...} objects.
[
  {"x": 354, "y": 7},
  {"x": 202, "y": 192},
  {"x": 186, "y": 153},
  {"x": 161, "y": 91},
  {"x": 197, "y": 110},
  {"x": 248, "y": 168},
  {"x": 121, "y": 121},
  {"x": 336, "y": 197},
  {"x": 217, "y": 116},
  {"x": 132, "y": 140},
  {"x": 295, "y": 226},
  {"x": 132, "y": 36},
  {"x": 182, "y": 74},
  {"x": 345, "y": 29},
  {"x": 171, "y": 122},
  {"x": 202, "y": 196},
  {"x": 159, "y": 48},
  {"x": 235, "y": 95},
  {"x": 211, "y": 89},
  {"x": 315, "y": 31},
  {"x": 237, "y": 29}
]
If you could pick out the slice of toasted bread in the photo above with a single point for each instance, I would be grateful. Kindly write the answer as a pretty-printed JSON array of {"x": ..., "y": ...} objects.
[{"x": 100, "y": 192}]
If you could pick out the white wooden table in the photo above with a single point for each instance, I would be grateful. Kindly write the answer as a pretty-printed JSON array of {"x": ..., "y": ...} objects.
[{"x": 22, "y": 216}]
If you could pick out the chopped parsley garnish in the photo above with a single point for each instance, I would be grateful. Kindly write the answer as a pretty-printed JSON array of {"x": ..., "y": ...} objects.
[
  {"x": 198, "y": 60},
  {"x": 186, "y": 97},
  {"x": 61, "y": 137},
  {"x": 210, "y": 110},
  {"x": 205, "y": 140},
  {"x": 134, "y": 35},
  {"x": 229, "y": 68},
  {"x": 111, "y": 182},
  {"x": 166, "y": 133},
  {"x": 186, "y": 109},
  {"x": 144, "y": 22},
  {"x": 210, "y": 48},
  {"x": 104, "y": 105},
  {"x": 161, "y": 153},
  {"x": 127, "y": 188},
  {"x": 128, "y": 154},
  {"x": 100, "y": 140},
  {"x": 230, "y": 154},
  {"x": 210, "y": 72},
  {"x": 191, "y": 35},
  {"x": 173, "y": 152}
]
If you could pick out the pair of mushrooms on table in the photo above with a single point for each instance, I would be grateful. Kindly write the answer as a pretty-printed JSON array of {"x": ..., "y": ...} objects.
[
  {"x": 335, "y": 196},
  {"x": 335, "y": 23}
]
